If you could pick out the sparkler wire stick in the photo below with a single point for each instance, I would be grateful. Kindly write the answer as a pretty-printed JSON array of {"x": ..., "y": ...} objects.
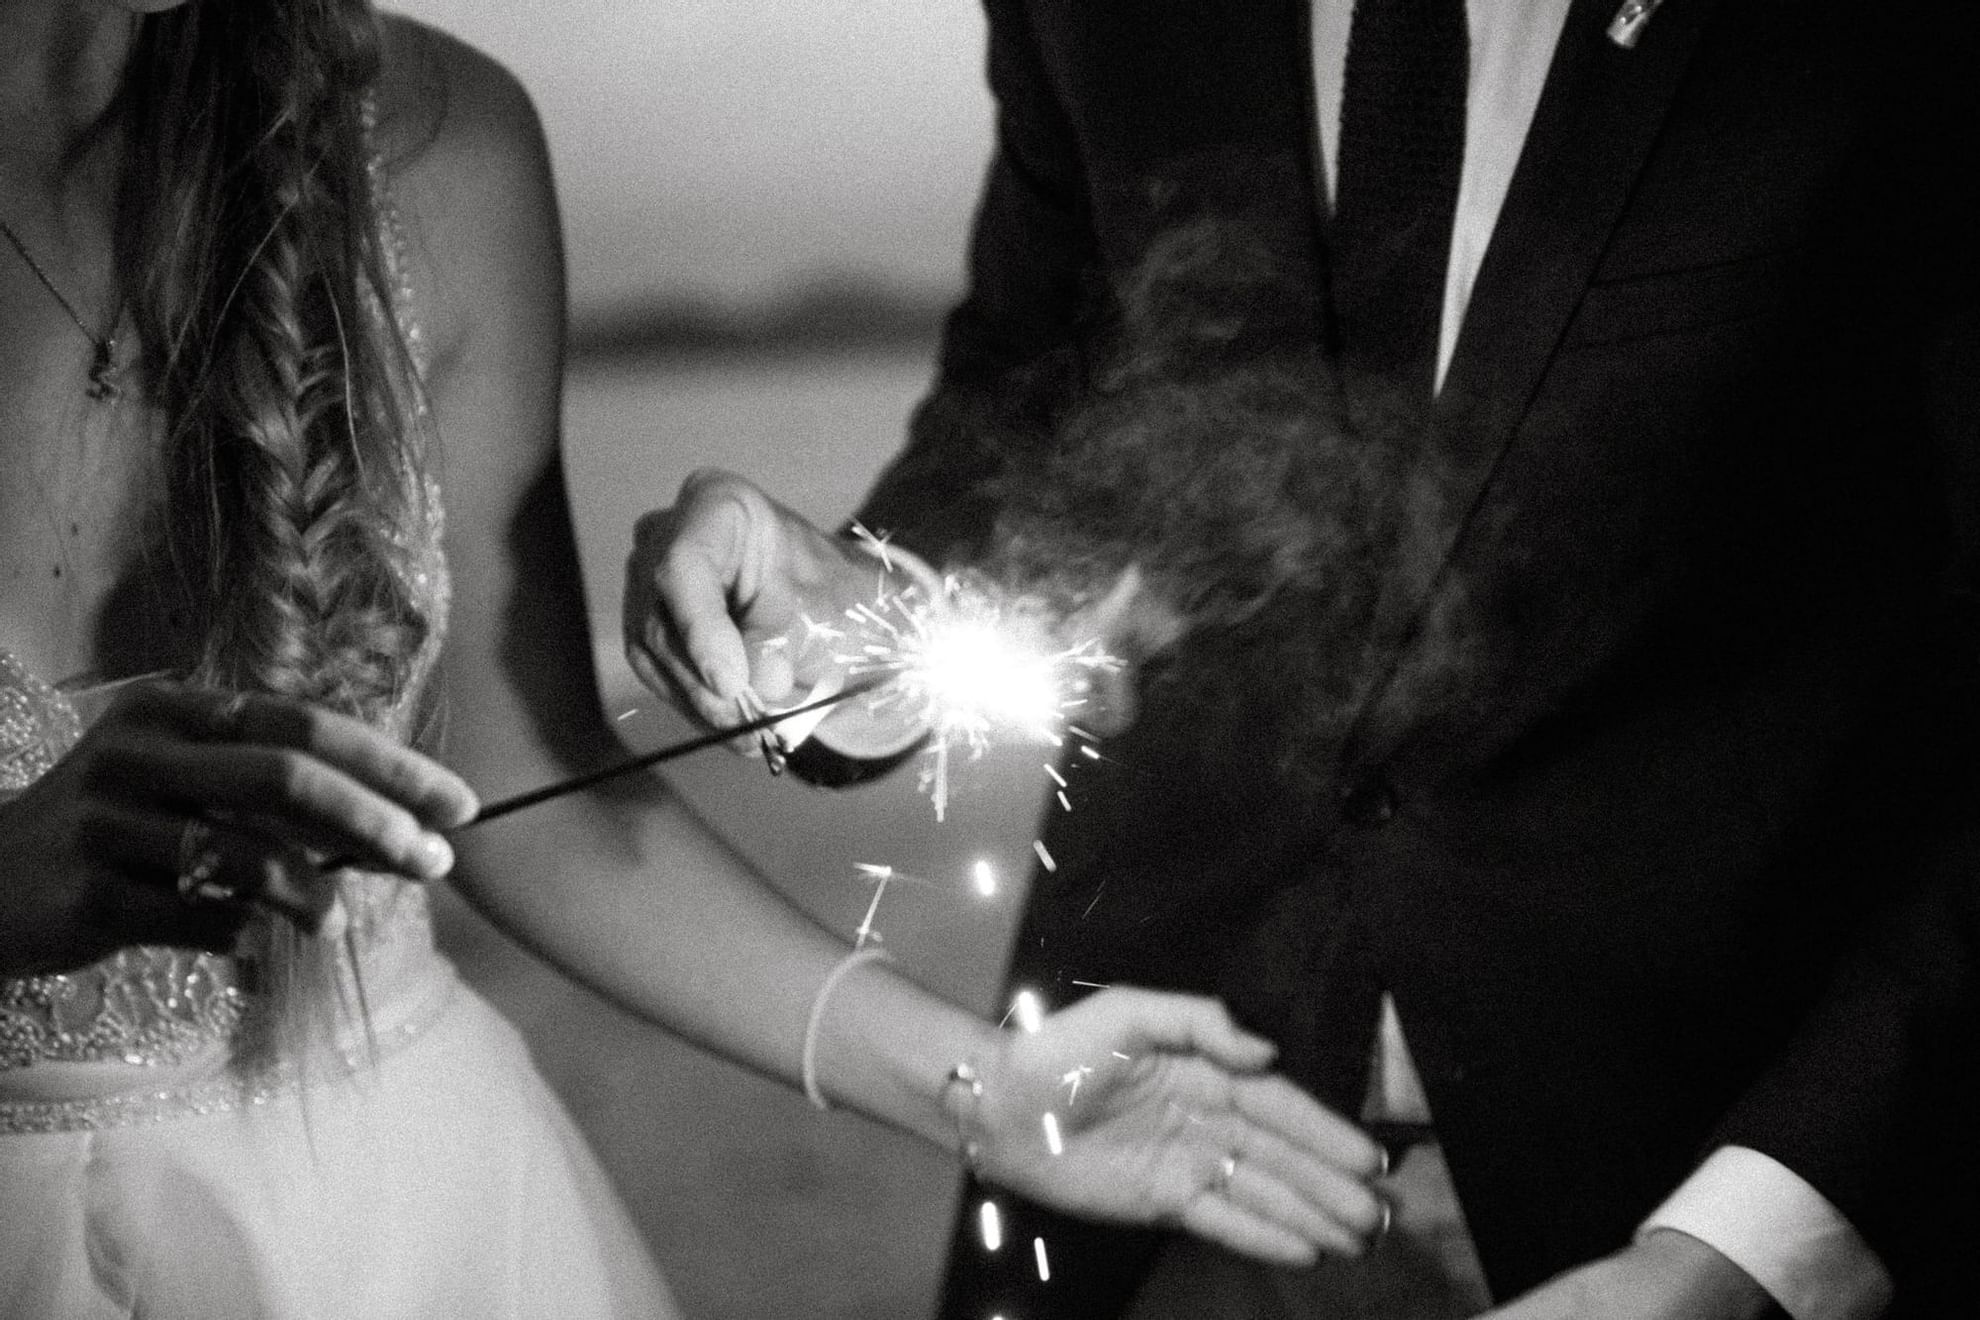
[{"x": 674, "y": 751}]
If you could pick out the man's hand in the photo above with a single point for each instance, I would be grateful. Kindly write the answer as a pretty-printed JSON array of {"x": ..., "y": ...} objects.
[
  {"x": 1666, "y": 1276},
  {"x": 719, "y": 588}
]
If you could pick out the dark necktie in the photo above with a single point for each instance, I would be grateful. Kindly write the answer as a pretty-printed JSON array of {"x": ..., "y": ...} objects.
[{"x": 1396, "y": 185}]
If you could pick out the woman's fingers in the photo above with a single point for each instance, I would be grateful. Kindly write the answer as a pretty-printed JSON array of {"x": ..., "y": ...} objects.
[
  {"x": 307, "y": 799},
  {"x": 1245, "y": 1197},
  {"x": 1182, "y": 1024},
  {"x": 690, "y": 632},
  {"x": 232, "y": 864},
  {"x": 1306, "y": 1189},
  {"x": 1253, "y": 1188},
  {"x": 1223, "y": 1221},
  {"x": 1277, "y": 1106},
  {"x": 687, "y": 570},
  {"x": 438, "y": 797}
]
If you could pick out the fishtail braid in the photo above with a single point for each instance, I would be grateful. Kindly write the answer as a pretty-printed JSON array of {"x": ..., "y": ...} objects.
[{"x": 293, "y": 491}]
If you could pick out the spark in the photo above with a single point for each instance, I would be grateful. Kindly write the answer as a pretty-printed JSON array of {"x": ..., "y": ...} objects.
[
  {"x": 1028, "y": 1009},
  {"x": 992, "y": 1225},
  {"x": 1071, "y": 1082},
  {"x": 1065, "y": 802},
  {"x": 817, "y": 630},
  {"x": 1044, "y": 858},
  {"x": 1054, "y": 1142},
  {"x": 1094, "y": 902},
  {"x": 971, "y": 665},
  {"x": 1057, "y": 778},
  {"x": 878, "y": 545},
  {"x": 879, "y": 877},
  {"x": 625, "y": 714},
  {"x": 1093, "y": 985},
  {"x": 1044, "y": 1266}
]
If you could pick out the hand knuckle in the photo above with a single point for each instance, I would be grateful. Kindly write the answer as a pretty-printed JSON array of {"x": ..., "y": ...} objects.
[{"x": 290, "y": 777}]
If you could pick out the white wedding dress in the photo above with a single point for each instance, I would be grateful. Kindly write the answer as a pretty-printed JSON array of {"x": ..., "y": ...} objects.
[{"x": 412, "y": 1164}]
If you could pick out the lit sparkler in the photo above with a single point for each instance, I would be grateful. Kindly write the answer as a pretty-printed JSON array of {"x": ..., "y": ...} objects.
[{"x": 969, "y": 666}]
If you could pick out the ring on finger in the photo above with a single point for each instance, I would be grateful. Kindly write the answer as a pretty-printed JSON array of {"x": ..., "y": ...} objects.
[
  {"x": 1388, "y": 1221},
  {"x": 1226, "y": 1171},
  {"x": 200, "y": 863}
]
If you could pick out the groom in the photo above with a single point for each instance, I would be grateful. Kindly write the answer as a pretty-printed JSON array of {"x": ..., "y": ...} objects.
[{"x": 1671, "y": 309}]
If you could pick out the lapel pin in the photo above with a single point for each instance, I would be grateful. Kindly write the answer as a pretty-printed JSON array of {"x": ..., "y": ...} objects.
[{"x": 1630, "y": 20}]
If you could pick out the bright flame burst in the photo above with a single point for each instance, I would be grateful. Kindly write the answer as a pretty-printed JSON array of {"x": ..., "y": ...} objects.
[{"x": 971, "y": 667}]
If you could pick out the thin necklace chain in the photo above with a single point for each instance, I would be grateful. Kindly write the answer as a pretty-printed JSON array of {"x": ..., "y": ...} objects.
[{"x": 103, "y": 366}]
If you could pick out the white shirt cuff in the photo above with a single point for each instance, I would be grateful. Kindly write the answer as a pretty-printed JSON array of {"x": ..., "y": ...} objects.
[{"x": 1766, "y": 1219}]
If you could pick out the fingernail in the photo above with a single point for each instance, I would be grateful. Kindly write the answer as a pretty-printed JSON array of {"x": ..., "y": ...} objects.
[
  {"x": 433, "y": 856},
  {"x": 465, "y": 806},
  {"x": 334, "y": 922}
]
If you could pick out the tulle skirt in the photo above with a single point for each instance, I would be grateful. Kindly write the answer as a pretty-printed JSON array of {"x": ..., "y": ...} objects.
[{"x": 442, "y": 1179}]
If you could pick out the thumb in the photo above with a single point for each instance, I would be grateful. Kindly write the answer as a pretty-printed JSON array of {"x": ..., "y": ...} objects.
[{"x": 1190, "y": 1024}]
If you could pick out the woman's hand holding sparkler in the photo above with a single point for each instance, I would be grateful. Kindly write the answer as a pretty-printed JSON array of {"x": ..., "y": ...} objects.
[
  {"x": 180, "y": 808},
  {"x": 1147, "y": 1107}
]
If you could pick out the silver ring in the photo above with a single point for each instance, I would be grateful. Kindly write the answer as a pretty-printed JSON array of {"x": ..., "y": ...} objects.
[
  {"x": 1226, "y": 1170},
  {"x": 199, "y": 867},
  {"x": 1388, "y": 1222}
]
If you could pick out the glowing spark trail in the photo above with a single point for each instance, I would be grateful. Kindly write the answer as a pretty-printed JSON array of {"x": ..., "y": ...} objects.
[
  {"x": 880, "y": 875},
  {"x": 993, "y": 1226},
  {"x": 969, "y": 666},
  {"x": 1028, "y": 1009},
  {"x": 1071, "y": 1082}
]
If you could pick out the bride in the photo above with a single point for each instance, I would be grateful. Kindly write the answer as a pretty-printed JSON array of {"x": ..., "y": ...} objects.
[{"x": 274, "y": 269}]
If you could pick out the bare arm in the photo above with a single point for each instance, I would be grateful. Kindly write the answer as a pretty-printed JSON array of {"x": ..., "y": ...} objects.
[{"x": 628, "y": 893}]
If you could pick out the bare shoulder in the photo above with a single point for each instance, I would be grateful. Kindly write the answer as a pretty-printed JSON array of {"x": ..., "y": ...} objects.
[{"x": 470, "y": 174}]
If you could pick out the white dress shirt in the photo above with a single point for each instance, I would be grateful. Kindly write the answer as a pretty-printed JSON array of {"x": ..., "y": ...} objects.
[{"x": 1753, "y": 1210}]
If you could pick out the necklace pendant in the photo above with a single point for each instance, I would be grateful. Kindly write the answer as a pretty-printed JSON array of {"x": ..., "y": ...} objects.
[{"x": 103, "y": 370}]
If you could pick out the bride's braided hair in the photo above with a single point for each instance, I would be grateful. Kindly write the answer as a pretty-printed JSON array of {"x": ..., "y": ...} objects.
[
  {"x": 249, "y": 235},
  {"x": 250, "y": 230}
]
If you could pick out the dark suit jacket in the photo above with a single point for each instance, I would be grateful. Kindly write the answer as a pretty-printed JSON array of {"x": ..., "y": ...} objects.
[{"x": 1718, "y": 719}]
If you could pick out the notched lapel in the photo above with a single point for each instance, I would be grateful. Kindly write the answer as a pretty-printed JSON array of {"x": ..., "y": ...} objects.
[{"x": 1598, "y": 117}]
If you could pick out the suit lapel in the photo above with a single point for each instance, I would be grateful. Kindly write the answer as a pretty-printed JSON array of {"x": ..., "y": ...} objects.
[{"x": 1599, "y": 114}]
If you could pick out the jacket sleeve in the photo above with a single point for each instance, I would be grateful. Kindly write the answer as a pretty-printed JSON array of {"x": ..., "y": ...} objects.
[
  {"x": 1876, "y": 1102},
  {"x": 1029, "y": 253}
]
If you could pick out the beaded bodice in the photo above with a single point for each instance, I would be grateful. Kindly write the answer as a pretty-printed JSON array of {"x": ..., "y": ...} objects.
[
  {"x": 156, "y": 1006},
  {"x": 152, "y": 1007}
]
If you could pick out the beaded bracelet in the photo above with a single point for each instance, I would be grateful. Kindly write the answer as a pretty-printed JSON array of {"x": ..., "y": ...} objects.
[{"x": 808, "y": 1064}]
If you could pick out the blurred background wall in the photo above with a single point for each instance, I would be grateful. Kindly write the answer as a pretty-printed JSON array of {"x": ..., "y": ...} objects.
[{"x": 765, "y": 207}]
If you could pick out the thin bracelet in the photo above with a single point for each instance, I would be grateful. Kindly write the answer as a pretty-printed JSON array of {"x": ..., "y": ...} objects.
[
  {"x": 964, "y": 1114},
  {"x": 808, "y": 1067}
]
